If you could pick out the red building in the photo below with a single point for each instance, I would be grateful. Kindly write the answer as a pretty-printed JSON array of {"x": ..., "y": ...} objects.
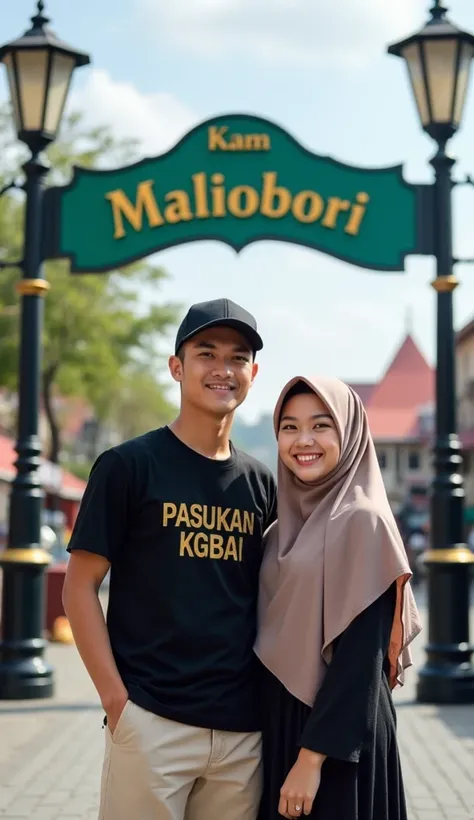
[
  {"x": 400, "y": 408},
  {"x": 70, "y": 490}
]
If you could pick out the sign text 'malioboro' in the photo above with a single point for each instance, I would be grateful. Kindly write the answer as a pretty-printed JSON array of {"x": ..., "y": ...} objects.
[
  {"x": 208, "y": 198},
  {"x": 237, "y": 180}
]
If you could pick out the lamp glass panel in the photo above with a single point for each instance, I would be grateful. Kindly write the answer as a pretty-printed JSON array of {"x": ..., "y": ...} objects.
[
  {"x": 464, "y": 70},
  {"x": 413, "y": 59},
  {"x": 61, "y": 71},
  {"x": 32, "y": 79},
  {"x": 440, "y": 61},
  {"x": 10, "y": 66}
]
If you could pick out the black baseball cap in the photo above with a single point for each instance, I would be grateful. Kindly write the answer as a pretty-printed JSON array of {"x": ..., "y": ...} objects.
[{"x": 218, "y": 313}]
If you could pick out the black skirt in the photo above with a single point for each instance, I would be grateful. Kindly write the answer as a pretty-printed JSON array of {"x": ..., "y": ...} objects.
[{"x": 353, "y": 722}]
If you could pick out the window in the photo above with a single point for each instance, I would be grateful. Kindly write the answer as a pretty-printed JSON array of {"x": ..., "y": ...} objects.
[
  {"x": 413, "y": 460},
  {"x": 382, "y": 457}
]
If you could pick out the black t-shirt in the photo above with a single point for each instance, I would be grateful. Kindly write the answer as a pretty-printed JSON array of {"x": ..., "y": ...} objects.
[{"x": 183, "y": 534}]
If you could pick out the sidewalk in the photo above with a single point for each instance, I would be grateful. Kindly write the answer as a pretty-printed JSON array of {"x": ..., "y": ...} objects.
[
  {"x": 51, "y": 751},
  {"x": 437, "y": 748}
]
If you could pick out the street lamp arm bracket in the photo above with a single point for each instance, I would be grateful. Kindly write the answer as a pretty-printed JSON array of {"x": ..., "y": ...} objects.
[
  {"x": 468, "y": 180},
  {"x": 16, "y": 263}
]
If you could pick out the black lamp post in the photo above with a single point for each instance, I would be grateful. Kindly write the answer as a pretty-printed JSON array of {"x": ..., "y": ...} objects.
[
  {"x": 439, "y": 59},
  {"x": 39, "y": 70}
]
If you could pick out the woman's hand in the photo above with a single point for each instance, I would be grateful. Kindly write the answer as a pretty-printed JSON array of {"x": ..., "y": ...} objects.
[{"x": 301, "y": 785}]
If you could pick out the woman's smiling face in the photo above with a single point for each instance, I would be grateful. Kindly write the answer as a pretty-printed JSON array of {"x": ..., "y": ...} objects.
[{"x": 308, "y": 440}]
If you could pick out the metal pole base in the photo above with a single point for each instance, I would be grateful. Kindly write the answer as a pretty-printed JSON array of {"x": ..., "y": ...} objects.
[
  {"x": 24, "y": 674},
  {"x": 451, "y": 684},
  {"x": 448, "y": 674}
]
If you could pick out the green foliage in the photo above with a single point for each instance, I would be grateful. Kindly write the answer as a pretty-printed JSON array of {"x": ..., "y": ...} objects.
[
  {"x": 102, "y": 333},
  {"x": 79, "y": 469},
  {"x": 140, "y": 406}
]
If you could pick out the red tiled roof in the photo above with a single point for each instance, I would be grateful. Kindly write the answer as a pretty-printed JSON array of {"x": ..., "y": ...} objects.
[
  {"x": 72, "y": 486},
  {"x": 394, "y": 403},
  {"x": 388, "y": 425},
  {"x": 408, "y": 381}
]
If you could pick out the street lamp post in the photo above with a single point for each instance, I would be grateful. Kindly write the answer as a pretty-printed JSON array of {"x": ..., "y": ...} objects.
[
  {"x": 439, "y": 59},
  {"x": 39, "y": 68}
]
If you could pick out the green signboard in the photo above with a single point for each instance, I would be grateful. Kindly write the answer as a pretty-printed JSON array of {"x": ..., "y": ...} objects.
[{"x": 237, "y": 179}]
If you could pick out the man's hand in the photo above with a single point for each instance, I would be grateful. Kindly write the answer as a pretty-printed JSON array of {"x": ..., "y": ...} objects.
[
  {"x": 114, "y": 707},
  {"x": 301, "y": 785}
]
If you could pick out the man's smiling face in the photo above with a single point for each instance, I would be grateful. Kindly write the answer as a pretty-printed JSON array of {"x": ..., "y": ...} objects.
[{"x": 216, "y": 369}]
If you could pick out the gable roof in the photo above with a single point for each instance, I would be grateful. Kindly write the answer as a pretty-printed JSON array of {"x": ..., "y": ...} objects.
[
  {"x": 408, "y": 381},
  {"x": 393, "y": 405}
]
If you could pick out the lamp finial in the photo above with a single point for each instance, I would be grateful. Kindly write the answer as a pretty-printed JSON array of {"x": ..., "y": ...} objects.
[
  {"x": 439, "y": 10},
  {"x": 39, "y": 20}
]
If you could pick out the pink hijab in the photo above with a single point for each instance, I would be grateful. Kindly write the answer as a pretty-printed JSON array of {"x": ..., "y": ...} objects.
[{"x": 334, "y": 550}]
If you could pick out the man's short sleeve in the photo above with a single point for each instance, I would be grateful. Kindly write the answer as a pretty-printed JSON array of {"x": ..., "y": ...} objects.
[{"x": 103, "y": 517}]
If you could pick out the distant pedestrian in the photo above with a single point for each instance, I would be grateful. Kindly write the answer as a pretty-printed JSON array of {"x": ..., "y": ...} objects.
[
  {"x": 336, "y": 617},
  {"x": 178, "y": 516}
]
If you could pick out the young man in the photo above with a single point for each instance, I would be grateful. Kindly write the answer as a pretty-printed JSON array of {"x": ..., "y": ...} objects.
[{"x": 178, "y": 515}]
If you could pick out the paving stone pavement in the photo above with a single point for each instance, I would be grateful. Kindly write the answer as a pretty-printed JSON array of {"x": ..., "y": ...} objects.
[
  {"x": 436, "y": 747},
  {"x": 51, "y": 751}
]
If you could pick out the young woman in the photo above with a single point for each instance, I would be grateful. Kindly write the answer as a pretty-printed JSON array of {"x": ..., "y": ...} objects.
[{"x": 336, "y": 616}]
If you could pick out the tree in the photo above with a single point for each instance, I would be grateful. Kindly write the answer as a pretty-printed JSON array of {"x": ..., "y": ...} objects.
[
  {"x": 140, "y": 407},
  {"x": 100, "y": 335}
]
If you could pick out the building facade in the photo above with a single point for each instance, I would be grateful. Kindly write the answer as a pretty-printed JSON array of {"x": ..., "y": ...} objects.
[
  {"x": 465, "y": 407},
  {"x": 400, "y": 408}
]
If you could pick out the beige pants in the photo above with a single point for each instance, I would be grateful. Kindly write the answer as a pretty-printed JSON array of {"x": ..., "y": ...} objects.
[{"x": 156, "y": 769}]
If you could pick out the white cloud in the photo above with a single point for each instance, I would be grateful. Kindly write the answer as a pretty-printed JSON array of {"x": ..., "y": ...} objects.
[
  {"x": 157, "y": 120},
  {"x": 312, "y": 32}
]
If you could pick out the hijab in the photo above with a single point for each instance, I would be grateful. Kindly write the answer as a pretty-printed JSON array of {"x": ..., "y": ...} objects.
[{"x": 334, "y": 550}]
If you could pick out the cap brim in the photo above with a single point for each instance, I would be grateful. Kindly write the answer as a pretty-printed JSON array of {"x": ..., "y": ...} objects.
[{"x": 250, "y": 334}]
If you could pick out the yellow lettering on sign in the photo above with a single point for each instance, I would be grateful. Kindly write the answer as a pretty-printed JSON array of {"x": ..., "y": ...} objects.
[
  {"x": 133, "y": 213},
  {"x": 179, "y": 207},
  {"x": 334, "y": 207},
  {"x": 216, "y": 140},
  {"x": 307, "y": 206},
  {"x": 210, "y": 198},
  {"x": 276, "y": 200},
  {"x": 200, "y": 195},
  {"x": 218, "y": 195},
  {"x": 357, "y": 214},
  {"x": 243, "y": 201},
  {"x": 257, "y": 142}
]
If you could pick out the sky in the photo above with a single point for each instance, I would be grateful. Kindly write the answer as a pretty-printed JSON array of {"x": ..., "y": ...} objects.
[{"x": 321, "y": 71}]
